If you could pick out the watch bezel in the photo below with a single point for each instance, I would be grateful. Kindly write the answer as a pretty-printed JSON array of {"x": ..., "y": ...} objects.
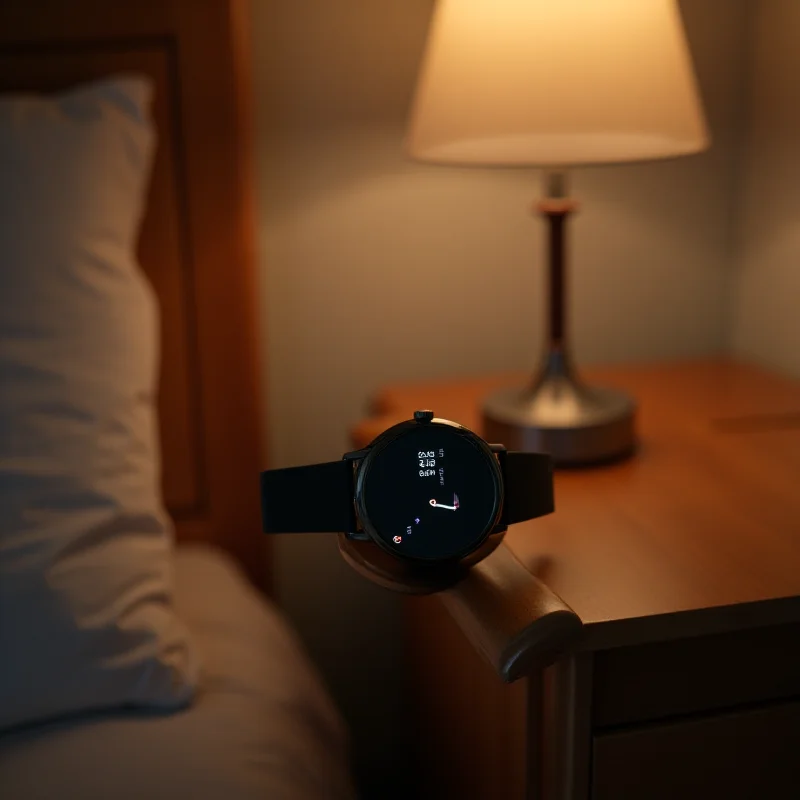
[{"x": 385, "y": 440}]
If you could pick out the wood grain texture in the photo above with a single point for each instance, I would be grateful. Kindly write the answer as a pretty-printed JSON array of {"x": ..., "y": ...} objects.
[
  {"x": 470, "y": 729},
  {"x": 698, "y": 533},
  {"x": 197, "y": 244},
  {"x": 560, "y": 739}
]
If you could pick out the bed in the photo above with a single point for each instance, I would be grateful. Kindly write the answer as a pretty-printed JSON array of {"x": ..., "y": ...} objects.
[{"x": 198, "y": 687}]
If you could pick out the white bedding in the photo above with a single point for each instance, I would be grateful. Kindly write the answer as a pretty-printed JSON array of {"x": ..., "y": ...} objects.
[{"x": 261, "y": 725}]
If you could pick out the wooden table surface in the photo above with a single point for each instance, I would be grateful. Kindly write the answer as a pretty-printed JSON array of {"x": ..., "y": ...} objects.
[{"x": 705, "y": 518}]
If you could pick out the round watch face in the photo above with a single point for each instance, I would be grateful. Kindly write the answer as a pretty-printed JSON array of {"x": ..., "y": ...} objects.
[{"x": 431, "y": 493}]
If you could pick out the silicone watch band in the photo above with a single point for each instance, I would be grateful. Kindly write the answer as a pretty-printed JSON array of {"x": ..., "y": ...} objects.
[
  {"x": 528, "y": 486},
  {"x": 315, "y": 498}
]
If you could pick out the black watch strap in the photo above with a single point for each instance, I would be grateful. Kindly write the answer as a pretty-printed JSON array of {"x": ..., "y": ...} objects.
[
  {"x": 528, "y": 486},
  {"x": 315, "y": 498}
]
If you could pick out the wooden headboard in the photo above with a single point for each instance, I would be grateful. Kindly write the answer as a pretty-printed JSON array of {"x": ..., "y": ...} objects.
[{"x": 198, "y": 239}]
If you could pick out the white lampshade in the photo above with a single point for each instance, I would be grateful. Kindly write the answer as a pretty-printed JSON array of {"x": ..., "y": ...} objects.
[{"x": 558, "y": 82}]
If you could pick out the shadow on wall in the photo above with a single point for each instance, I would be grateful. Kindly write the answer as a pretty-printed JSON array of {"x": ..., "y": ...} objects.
[{"x": 353, "y": 231}]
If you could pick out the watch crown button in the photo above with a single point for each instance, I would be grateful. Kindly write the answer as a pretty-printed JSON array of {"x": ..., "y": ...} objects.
[{"x": 426, "y": 415}]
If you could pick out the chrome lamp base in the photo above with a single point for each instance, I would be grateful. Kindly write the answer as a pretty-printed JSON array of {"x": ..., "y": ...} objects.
[{"x": 577, "y": 424}]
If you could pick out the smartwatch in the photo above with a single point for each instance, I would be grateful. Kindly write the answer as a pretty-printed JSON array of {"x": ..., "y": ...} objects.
[{"x": 427, "y": 491}]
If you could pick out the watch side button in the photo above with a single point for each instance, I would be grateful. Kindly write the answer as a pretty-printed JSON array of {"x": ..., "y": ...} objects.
[{"x": 424, "y": 415}]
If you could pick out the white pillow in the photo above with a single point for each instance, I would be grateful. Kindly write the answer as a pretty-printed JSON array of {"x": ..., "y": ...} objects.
[{"x": 86, "y": 620}]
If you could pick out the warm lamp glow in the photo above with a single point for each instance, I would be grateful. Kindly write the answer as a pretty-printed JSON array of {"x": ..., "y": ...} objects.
[{"x": 541, "y": 82}]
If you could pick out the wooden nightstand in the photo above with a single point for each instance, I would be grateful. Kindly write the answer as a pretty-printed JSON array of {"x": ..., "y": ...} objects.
[{"x": 683, "y": 564}]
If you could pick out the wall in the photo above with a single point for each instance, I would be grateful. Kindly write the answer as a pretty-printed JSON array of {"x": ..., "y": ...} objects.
[
  {"x": 765, "y": 316},
  {"x": 378, "y": 269}
]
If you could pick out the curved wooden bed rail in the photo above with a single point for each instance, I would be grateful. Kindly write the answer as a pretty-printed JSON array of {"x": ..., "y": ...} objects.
[
  {"x": 509, "y": 616},
  {"x": 513, "y": 619}
]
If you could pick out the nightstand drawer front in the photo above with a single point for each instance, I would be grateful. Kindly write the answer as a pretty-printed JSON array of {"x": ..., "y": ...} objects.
[
  {"x": 748, "y": 755},
  {"x": 697, "y": 675}
]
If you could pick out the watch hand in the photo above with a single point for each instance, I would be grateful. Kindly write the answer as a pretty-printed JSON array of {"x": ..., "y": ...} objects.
[{"x": 436, "y": 504}]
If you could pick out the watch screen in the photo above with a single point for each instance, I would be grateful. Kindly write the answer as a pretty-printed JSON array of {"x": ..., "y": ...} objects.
[{"x": 431, "y": 493}]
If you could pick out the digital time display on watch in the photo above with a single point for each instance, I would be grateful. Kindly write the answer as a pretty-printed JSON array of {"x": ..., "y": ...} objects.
[{"x": 432, "y": 493}]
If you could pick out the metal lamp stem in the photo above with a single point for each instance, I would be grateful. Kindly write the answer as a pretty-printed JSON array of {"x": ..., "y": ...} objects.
[
  {"x": 558, "y": 413},
  {"x": 556, "y": 207},
  {"x": 556, "y": 224}
]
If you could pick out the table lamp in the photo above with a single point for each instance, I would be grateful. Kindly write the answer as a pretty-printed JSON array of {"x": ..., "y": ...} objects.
[{"x": 556, "y": 84}]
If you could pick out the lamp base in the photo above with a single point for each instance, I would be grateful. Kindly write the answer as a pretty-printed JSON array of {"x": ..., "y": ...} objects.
[{"x": 576, "y": 424}]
